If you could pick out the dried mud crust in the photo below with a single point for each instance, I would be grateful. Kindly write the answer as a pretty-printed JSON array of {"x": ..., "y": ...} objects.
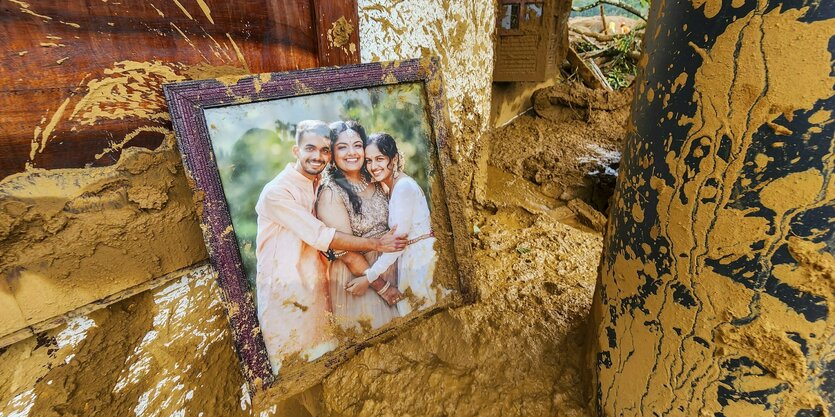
[
  {"x": 68, "y": 239},
  {"x": 518, "y": 350},
  {"x": 162, "y": 352}
]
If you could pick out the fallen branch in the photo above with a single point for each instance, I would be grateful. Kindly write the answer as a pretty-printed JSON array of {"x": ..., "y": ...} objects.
[
  {"x": 587, "y": 39},
  {"x": 604, "y": 61},
  {"x": 598, "y": 36},
  {"x": 599, "y": 52},
  {"x": 585, "y": 34},
  {"x": 599, "y": 74},
  {"x": 615, "y": 3}
]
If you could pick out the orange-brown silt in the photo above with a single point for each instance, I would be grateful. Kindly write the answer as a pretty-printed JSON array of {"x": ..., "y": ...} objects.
[{"x": 716, "y": 283}]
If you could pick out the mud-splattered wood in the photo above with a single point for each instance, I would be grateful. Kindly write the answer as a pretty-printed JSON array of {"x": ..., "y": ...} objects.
[
  {"x": 80, "y": 78},
  {"x": 337, "y": 37},
  {"x": 186, "y": 273}
]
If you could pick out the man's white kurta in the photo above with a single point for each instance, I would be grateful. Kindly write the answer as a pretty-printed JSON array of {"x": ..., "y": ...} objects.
[{"x": 291, "y": 280}]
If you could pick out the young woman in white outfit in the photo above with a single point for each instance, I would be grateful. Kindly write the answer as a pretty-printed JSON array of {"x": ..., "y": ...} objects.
[{"x": 408, "y": 212}]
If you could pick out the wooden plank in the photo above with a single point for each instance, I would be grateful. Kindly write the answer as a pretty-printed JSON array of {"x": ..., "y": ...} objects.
[
  {"x": 187, "y": 273},
  {"x": 81, "y": 76},
  {"x": 590, "y": 77}
]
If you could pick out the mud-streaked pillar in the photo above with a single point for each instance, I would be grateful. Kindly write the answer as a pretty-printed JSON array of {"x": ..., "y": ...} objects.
[{"x": 717, "y": 287}]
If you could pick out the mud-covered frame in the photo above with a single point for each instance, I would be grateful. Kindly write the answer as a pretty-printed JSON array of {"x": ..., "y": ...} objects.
[{"x": 187, "y": 101}]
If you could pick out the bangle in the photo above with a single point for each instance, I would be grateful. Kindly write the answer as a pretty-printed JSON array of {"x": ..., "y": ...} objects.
[
  {"x": 385, "y": 287},
  {"x": 332, "y": 255}
]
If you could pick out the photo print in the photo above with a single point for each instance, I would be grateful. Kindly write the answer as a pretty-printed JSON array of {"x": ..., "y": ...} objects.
[{"x": 323, "y": 208}]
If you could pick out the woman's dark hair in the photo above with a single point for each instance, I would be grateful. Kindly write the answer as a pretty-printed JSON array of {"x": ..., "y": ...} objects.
[
  {"x": 335, "y": 174},
  {"x": 387, "y": 146}
]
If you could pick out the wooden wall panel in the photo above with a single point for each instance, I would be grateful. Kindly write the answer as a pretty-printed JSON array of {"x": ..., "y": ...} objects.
[{"x": 80, "y": 76}]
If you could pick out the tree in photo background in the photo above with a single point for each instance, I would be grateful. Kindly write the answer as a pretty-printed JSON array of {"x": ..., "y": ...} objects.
[
  {"x": 260, "y": 154},
  {"x": 399, "y": 111}
]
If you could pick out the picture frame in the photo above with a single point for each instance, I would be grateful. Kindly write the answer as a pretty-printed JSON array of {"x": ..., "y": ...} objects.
[{"x": 190, "y": 102}]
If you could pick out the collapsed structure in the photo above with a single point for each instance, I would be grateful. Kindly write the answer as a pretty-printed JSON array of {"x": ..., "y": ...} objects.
[{"x": 717, "y": 275}]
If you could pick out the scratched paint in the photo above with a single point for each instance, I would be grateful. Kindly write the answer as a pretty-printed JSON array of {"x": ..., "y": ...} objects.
[
  {"x": 183, "y": 9},
  {"x": 206, "y": 10},
  {"x": 24, "y": 8},
  {"x": 716, "y": 284},
  {"x": 129, "y": 89}
]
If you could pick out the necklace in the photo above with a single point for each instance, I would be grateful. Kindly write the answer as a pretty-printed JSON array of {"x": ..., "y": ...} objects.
[{"x": 358, "y": 188}]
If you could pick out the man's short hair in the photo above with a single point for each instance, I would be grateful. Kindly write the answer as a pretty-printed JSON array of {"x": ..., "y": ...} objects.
[{"x": 317, "y": 127}]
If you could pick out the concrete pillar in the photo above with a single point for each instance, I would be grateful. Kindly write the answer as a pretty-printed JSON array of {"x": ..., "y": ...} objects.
[{"x": 717, "y": 281}]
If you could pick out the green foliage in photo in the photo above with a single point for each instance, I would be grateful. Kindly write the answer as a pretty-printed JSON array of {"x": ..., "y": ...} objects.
[{"x": 259, "y": 154}]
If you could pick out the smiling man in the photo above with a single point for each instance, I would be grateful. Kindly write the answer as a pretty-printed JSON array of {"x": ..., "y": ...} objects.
[{"x": 291, "y": 278}]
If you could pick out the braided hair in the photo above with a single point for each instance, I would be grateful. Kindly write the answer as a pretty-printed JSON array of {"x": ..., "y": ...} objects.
[{"x": 335, "y": 174}]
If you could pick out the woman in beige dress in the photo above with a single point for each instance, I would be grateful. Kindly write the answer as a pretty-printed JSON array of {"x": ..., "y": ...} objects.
[{"x": 351, "y": 203}]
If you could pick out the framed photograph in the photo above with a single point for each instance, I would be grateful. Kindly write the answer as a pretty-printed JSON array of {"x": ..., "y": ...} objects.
[{"x": 324, "y": 208}]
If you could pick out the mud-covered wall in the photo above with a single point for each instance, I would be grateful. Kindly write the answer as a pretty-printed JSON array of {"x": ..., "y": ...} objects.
[
  {"x": 167, "y": 351},
  {"x": 460, "y": 33},
  {"x": 511, "y": 99},
  {"x": 718, "y": 278}
]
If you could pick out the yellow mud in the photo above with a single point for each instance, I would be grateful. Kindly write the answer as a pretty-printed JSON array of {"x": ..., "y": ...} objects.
[
  {"x": 743, "y": 95},
  {"x": 70, "y": 237},
  {"x": 519, "y": 349},
  {"x": 516, "y": 351}
]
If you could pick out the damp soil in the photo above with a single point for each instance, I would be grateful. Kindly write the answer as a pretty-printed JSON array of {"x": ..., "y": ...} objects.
[{"x": 569, "y": 145}]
